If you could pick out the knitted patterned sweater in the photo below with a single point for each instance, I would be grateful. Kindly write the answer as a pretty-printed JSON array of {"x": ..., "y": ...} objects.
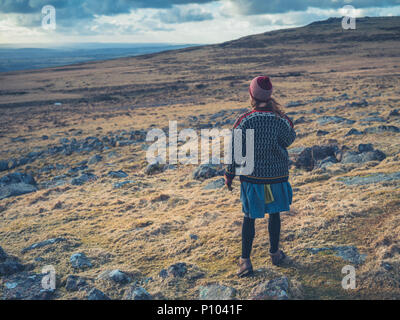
[{"x": 272, "y": 135}]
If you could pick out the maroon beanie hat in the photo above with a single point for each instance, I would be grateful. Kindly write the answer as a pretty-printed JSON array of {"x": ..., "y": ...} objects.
[{"x": 261, "y": 88}]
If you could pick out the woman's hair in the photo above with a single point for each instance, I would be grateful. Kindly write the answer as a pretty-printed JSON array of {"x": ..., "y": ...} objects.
[{"x": 271, "y": 105}]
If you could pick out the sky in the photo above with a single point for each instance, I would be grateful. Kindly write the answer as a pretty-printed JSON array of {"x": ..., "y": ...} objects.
[{"x": 164, "y": 21}]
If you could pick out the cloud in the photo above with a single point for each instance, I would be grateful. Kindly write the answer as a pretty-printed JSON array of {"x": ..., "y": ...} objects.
[
  {"x": 69, "y": 11},
  {"x": 183, "y": 14},
  {"x": 255, "y": 7}
]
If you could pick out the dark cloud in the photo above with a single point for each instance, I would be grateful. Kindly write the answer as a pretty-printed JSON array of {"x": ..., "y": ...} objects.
[
  {"x": 73, "y": 12},
  {"x": 90, "y": 7},
  {"x": 248, "y": 7}
]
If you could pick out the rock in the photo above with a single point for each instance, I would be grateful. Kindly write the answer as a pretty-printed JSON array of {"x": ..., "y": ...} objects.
[
  {"x": 15, "y": 184},
  {"x": 119, "y": 185},
  {"x": 43, "y": 244},
  {"x": 47, "y": 169},
  {"x": 193, "y": 236},
  {"x": 370, "y": 178},
  {"x": 382, "y": 128},
  {"x": 394, "y": 113},
  {"x": 365, "y": 147},
  {"x": 77, "y": 169},
  {"x": 96, "y": 294},
  {"x": 372, "y": 119},
  {"x": 293, "y": 104},
  {"x": 322, "y": 133},
  {"x": 386, "y": 266},
  {"x": 154, "y": 167},
  {"x": 175, "y": 270},
  {"x": 80, "y": 261},
  {"x": 216, "y": 184},
  {"x": 9, "y": 267},
  {"x": 347, "y": 253},
  {"x": 3, "y": 165},
  {"x": 95, "y": 159},
  {"x": 85, "y": 177},
  {"x": 362, "y": 103},
  {"x": 308, "y": 158},
  {"x": 206, "y": 171},
  {"x": 118, "y": 174},
  {"x": 3, "y": 255},
  {"x": 25, "y": 286},
  {"x": 353, "y": 157},
  {"x": 300, "y": 120},
  {"x": 323, "y": 164},
  {"x": 75, "y": 283},
  {"x": 333, "y": 119},
  {"x": 275, "y": 289},
  {"x": 351, "y": 254},
  {"x": 160, "y": 198},
  {"x": 216, "y": 292},
  {"x": 137, "y": 293},
  {"x": 116, "y": 276}
]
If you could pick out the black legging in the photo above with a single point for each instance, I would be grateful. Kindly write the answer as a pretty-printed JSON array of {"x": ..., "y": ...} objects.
[{"x": 248, "y": 232}]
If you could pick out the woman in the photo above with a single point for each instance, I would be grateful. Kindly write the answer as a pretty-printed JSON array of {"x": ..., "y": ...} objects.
[{"x": 266, "y": 189}]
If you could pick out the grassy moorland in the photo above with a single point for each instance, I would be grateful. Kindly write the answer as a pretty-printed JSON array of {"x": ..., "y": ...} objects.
[{"x": 330, "y": 82}]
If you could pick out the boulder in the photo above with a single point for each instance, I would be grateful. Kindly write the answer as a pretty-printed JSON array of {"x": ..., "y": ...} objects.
[
  {"x": 333, "y": 119},
  {"x": 3, "y": 165},
  {"x": 308, "y": 158},
  {"x": 216, "y": 184},
  {"x": 96, "y": 294},
  {"x": 176, "y": 270},
  {"x": 354, "y": 157},
  {"x": 322, "y": 133},
  {"x": 382, "y": 128},
  {"x": 154, "y": 167},
  {"x": 15, "y": 184},
  {"x": 3, "y": 255},
  {"x": 75, "y": 283},
  {"x": 347, "y": 253},
  {"x": 80, "y": 261},
  {"x": 95, "y": 159},
  {"x": 216, "y": 292},
  {"x": 117, "y": 174},
  {"x": 85, "y": 177},
  {"x": 10, "y": 266},
  {"x": 357, "y": 104},
  {"x": 116, "y": 276},
  {"x": 206, "y": 171},
  {"x": 43, "y": 244},
  {"x": 25, "y": 286},
  {"x": 370, "y": 178},
  {"x": 275, "y": 289},
  {"x": 137, "y": 293}
]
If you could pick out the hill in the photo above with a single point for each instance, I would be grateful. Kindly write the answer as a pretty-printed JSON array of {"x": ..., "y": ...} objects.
[{"x": 76, "y": 191}]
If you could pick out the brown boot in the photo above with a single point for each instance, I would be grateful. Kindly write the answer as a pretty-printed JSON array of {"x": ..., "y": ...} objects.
[
  {"x": 245, "y": 268},
  {"x": 277, "y": 257}
]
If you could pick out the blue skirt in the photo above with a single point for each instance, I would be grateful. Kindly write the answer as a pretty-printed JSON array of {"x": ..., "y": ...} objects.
[{"x": 259, "y": 199}]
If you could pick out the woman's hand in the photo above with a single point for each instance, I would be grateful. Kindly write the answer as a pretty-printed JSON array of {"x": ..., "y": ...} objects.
[{"x": 228, "y": 183}]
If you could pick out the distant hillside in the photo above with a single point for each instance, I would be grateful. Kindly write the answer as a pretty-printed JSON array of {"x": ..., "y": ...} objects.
[
  {"x": 28, "y": 58},
  {"x": 206, "y": 72}
]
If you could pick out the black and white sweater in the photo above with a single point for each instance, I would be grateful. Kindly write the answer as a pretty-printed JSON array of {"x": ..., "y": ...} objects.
[{"x": 272, "y": 135}]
